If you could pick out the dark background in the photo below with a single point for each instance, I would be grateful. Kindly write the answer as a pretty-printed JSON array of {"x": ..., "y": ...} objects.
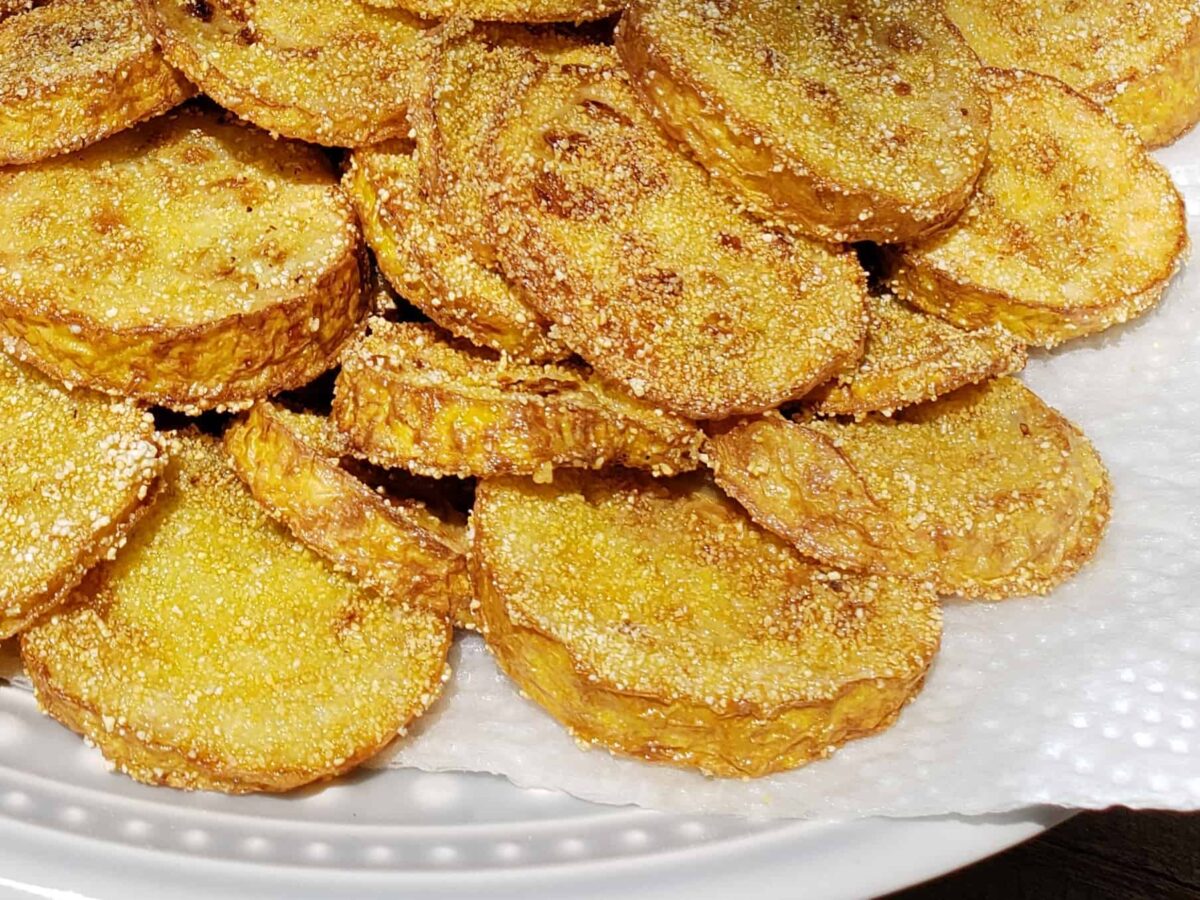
[{"x": 1112, "y": 854}]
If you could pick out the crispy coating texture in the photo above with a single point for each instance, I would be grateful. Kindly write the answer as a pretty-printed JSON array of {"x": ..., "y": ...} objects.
[
  {"x": 76, "y": 472},
  {"x": 648, "y": 271},
  {"x": 653, "y": 618},
  {"x": 910, "y": 357},
  {"x": 291, "y": 463},
  {"x": 851, "y": 119},
  {"x": 215, "y": 652},
  {"x": 470, "y": 73},
  {"x": 12, "y": 7},
  {"x": 1074, "y": 227},
  {"x": 1141, "y": 60},
  {"x": 334, "y": 72},
  {"x": 408, "y": 397},
  {"x": 190, "y": 262},
  {"x": 509, "y": 10},
  {"x": 986, "y": 492},
  {"x": 76, "y": 71},
  {"x": 424, "y": 260}
]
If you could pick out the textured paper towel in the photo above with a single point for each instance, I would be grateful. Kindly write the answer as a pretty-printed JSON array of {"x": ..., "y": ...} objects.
[{"x": 1088, "y": 697}]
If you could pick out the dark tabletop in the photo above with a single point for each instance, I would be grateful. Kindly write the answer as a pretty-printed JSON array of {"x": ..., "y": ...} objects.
[{"x": 1115, "y": 854}]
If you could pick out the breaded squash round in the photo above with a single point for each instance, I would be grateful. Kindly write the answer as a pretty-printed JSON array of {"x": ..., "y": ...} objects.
[
  {"x": 423, "y": 259},
  {"x": 1073, "y": 228},
  {"x": 191, "y": 262},
  {"x": 987, "y": 492},
  {"x": 851, "y": 119},
  {"x": 654, "y": 619},
  {"x": 217, "y": 653},
  {"x": 290, "y": 461},
  {"x": 1140, "y": 60},
  {"x": 77, "y": 470},
  {"x": 333, "y": 72},
  {"x": 509, "y": 10},
  {"x": 408, "y": 397},
  {"x": 648, "y": 271},
  {"x": 75, "y": 71},
  {"x": 910, "y": 357},
  {"x": 469, "y": 75},
  {"x": 12, "y": 7}
]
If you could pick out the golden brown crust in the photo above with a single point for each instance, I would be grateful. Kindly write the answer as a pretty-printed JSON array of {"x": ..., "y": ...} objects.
[
  {"x": 426, "y": 263},
  {"x": 1140, "y": 60},
  {"x": 410, "y": 398},
  {"x": 76, "y": 473},
  {"x": 874, "y": 126},
  {"x": 987, "y": 492},
  {"x": 524, "y": 11},
  {"x": 73, "y": 72},
  {"x": 290, "y": 463},
  {"x": 1073, "y": 228},
  {"x": 647, "y": 270},
  {"x": 332, "y": 72},
  {"x": 217, "y": 653},
  {"x": 606, "y": 598},
  {"x": 467, "y": 77},
  {"x": 209, "y": 266},
  {"x": 12, "y": 7},
  {"x": 910, "y": 357}
]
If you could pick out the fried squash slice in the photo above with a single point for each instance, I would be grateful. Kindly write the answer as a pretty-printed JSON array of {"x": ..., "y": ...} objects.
[
  {"x": 76, "y": 472},
  {"x": 217, "y": 653},
  {"x": 852, "y": 120},
  {"x": 1073, "y": 228},
  {"x": 910, "y": 357},
  {"x": 470, "y": 74},
  {"x": 191, "y": 262},
  {"x": 290, "y": 461},
  {"x": 430, "y": 267},
  {"x": 654, "y": 619},
  {"x": 647, "y": 270},
  {"x": 333, "y": 72},
  {"x": 75, "y": 71},
  {"x": 12, "y": 7},
  {"x": 409, "y": 398},
  {"x": 509, "y": 10},
  {"x": 987, "y": 492},
  {"x": 1140, "y": 60}
]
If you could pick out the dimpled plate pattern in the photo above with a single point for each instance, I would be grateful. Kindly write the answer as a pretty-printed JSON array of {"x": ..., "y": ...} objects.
[{"x": 380, "y": 831}]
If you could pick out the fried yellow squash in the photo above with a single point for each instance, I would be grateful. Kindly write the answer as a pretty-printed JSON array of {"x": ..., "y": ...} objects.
[
  {"x": 1140, "y": 59},
  {"x": 1073, "y": 227},
  {"x": 423, "y": 259},
  {"x": 12, "y": 7},
  {"x": 469, "y": 75},
  {"x": 189, "y": 262},
  {"x": 334, "y": 72},
  {"x": 647, "y": 270},
  {"x": 509, "y": 10},
  {"x": 910, "y": 357},
  {"x": 215, "y": 652},
  {"x": 987, "y": 492},
  {"x": 852, "y": 119},
  {"x": 291, "y": 463},
  {"x": 408, "y": 397},
  {"x": 653, "y": 618},
  {"x": 76, "y": 472},
  {"x": 76, "y": 71}
]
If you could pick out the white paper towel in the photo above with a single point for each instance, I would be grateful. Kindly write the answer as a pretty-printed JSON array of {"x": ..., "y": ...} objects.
[{"x": 1089, "y": 697}]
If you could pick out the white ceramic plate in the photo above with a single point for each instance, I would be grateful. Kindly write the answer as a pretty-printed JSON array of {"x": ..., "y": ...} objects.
[{"x": 69, "y": 828}]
